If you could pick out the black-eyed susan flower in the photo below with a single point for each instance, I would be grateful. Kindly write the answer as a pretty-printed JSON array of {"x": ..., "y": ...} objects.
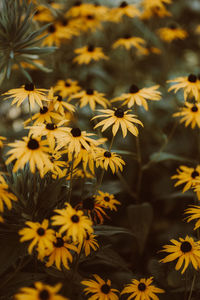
[
  {"x": 5, "y": 196},
  {"x": 100, "y": 289},
  {"x": 190, "y": 85},
  {"x": 154, "y": 9},
  {"x": 30, "y": 150},
  {"x": 116, "y": 118},
  {"x": 88, "y": 53},
  {"x": 40, "y": 291},
  {"x": 59, "y": 104},
  {"x": 142, "y": 289},
  {"x": 107, "y": 200},
  {"x": 194, "y": 213},
  {"x": 89, "y": 243},
  {"x": 124, "y": 9},
  {"x": 29, "y": 92},
  {"x": 67, "y": 28},
  {"x": 129, "y": 41},
  {"x": 2, "y": 138},
  {"x": 91, "y": 21},
  {"x": 43, "y": 14},
  {"x": 53, "y": 37},
  {"x": 80, "y": 9},
  {"x": 190, "y": 114},
  {"x": 73, "y": 222},
  {"x": 171, "y": 33},
  {"x": 186, "y": 250},
  {"x": 67, "y": 87},
  {"x": 139, "y": 96},
  {"x": 105, "y": 159},
  {"x": 59, "y": 167},
  {"x": 187, "y": 176},
  {"x": 61, "y": 254},
  {"x": 91, "y": 97},
  {"x": 41, "y": 236},
  {"x": 197, "y": 30}
]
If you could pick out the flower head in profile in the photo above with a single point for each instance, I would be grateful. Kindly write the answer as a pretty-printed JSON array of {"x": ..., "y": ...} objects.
[
  {"x": 118, "y": 118},
  {"x": 124, "y": 9},
  {"x": 80, "y": 9},
  {"x": 107, "y": 200},
  {"x": 2, "y": 138},
  {"x": 89, "y": 244},
  {"x": 105, "y": 159},
  {"x": 185, "y": 250},
  {"x": 129, "y": 41},
  {"x": 29, "y": 92},
  {"x": 190, "y": 85},
  {"x": 41, "y": 236},
  {"x": 139, "y": 96},
  {"x": 100, "y": 289},
  {"x": 194, "y": 213},
  {"x": 6, "y": 197},
  {"x": 190, "y": 114},
  {"x": 88, "y": 53},
  {"x": 142, "y": 289},
  {"x": 67, "y": 87},
  {"x": 73, "y": 222},
  {"x": 30, "y": 150},
  {"x": 40, "y": 291},
  {"x": 187, "y": 176},
  {"x": 171, "y": 33},
  {"x": 154, "y": 9}
]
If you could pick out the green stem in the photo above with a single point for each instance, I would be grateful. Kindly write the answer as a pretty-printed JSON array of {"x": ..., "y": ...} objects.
[
  {"x": 192, "y": 287},
  {"x": 111, "y": 143},
  {"x": 140, "y": 170},
  {"x": 71, "y": 179},
  {"x": 30, "y": 113}
]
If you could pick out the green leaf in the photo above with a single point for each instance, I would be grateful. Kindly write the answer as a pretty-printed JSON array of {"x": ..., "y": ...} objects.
[
  {"x": 106, "y": 230},
  {"x": 163, "y": 156}
]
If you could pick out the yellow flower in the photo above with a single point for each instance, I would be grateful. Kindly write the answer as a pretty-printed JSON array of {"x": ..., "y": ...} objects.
[
  {"x": 80, "y": 9},
  {"x": 189, "y": 84},
  {"x": 5, "y": 196},
  {"x": 100, "y": 289},
  {"x": 197, "y": 30},
  {"x": 32, "y": 151},
  {"x": 148, "y": 49},
  {"x": 59, "y": 104},
  {"x": 187, "y": 176},
  {"x": 41, "y": 291},
  {"x": 53, "y": 37},
  {"x": 89, "y": 243},
  {"x": 91, "y": 21},
  {"x": 66, "y": 28},
  {"x": 154, "y": 9},
  {"x": 118, "y": 117},
  {"x": 92, "y": 98},
  {"x": 187, "y": 250},
  {"x": 107, "y": 200},
  {"x": 73, "y": 222},
  {"x": 59, "y": 167},
  {"x": 27, "y": 91},
  {"x": 2, "y": 138},
  {"x": 190, "y": 114},
  {"x": 41, "y": 236},
  {"x": 128, "y": 41},
  {"x": 61, "y": 252},
  {"x": 194, "y": 213},
  {"x": 42, "y": 14},
  {"x": 88, "y": 53},
  {"x": 124, "y": 9},
  {"x": 139, "y": 96},
  {"x": 171, "y": 33},
  {"x": 66, "y": 87},
  {"x": 142, "y": 289},
  {"x": 111, "y": 159}
]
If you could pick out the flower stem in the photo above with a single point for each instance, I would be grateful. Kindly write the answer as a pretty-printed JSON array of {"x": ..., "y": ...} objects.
[
  {"x": 30, "y": 112},
  {"x": 140, "y": 170},
  {"x": 71, "y": 179},
  {"x": 192, "y": 286}
]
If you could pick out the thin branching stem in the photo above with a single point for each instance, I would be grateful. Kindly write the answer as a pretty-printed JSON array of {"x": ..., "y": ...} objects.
[{"x": 192, "y": 287}]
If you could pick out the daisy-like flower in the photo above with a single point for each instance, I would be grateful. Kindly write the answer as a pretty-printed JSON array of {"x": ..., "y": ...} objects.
[
  {"x": 152, "y": 10},
  {"x": 194, "y": 213},
  {"x": 118, "y": 117},
  {"x": 89, "y": 243},
  {"x": 139, "y": 96},
  {"x": 171, "y": 33},
  {"x": 41, "y": 236},
  {"x": 80, "y": 9},
  {"x": 59, "y": 167},
  {"x": 61, "y": 252},
  {"x": 2, "y": 138},
  {"x": 40, "y": 291},
  {"x": 88, "y": 53},
  {"x": 142, "y": 289},
  {"x": 59, "y": 104},
  {"x": 67, "y": 87},
  {"x": 129, "y": 41},
  {"x": 186, "y": 250},
  {"x": 100, "y": 289},
  {"x": 190, "y": 114},
  {"x": 189, "y": 84},
  {"x": 5, "y": 196},
  {"x": 42, "y": 14},
  {"x": 148, "y": 49},
  {"x": 27, "y": 91},
  {"x": 32, "y": 151},
  {"x": 91, "y": 22},
  {"x": 187, "y": 176},
  {"x": 105, "y": 159},
  {"x": 124, "y": 9},
  {"x": 73, "y": 222},
  {"x": 67, "y": 29},
  {"x": 92, "y": 98},
  {"x": 107, "y": 200},
  {"x": 54, "y": 36}
]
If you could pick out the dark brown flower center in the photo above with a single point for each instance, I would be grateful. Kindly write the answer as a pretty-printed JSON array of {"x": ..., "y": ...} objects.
[
  {"x": 123, "y": 4},
  {"x": 75, "y": 219},
  {"x": 88, "y": 203},
  {"x": 90, "y": 17},
  {"x": 51, "y": 126},
  {"x": 64, "y": 22},
  {"x": 67, "y": 84},
  {"x": 33, "y": 144},
  {"x": 40, "y": 231},
  {"x": 59, "y": 98},
  {"x": 192, "y": 78},
  {"x": 105, "y": 288},
  {"x": 90, "y": 91},
  {"x": 194, "y": 174},
  {"x": 77, "y": 3},
  {"x": 106, "y": 198},
  {"x": 43, "y": 110},
  {"x": 44, "y": 295},
  {"x": 90, "y": 48},
  {"x": 29, "y": 86},
  {"x": 194, "y": 108},
  {"x": 51, "y": 29},
  {"x": 172, "y": 26},
  {"x": 59, "y": 242},
  {"x": 76, "y": 132},
  {"x": 133, "y": 89},
  {"x": 186, "y": 247},
  {"x": 141, "y": 286},
  {"x": 127, "y": 36},
  {"x": 107, "y": 154},
  {"x": 119, "y": 113}
]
